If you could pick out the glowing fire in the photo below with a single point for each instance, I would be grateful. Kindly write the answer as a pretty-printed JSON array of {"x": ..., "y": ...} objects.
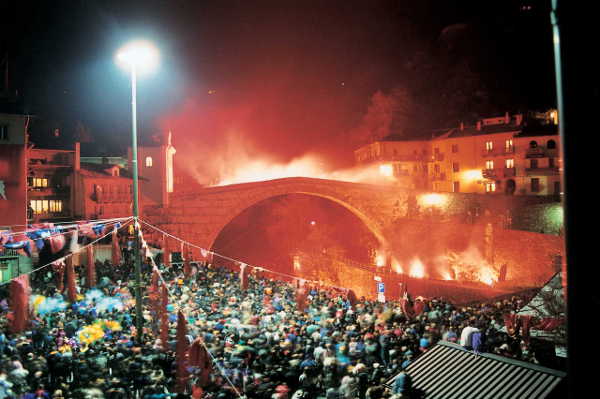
[
  {"x": 254, "y": 170},
  {"x": 386, "y": 170},
  {"x": 433, "y": 199},
  {"x": 446, "y": 276},
  {"x": 473, "y": 174},
  {"x": 296, "y": 262},
  {"x": 396, "y": 266},
  {"x": 417, "y": 269},
  {"x": 486, "y": 276},
  {"x": 471, "y": 266}
]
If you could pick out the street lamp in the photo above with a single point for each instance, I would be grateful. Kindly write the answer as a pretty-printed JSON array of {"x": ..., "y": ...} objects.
[{"x": 137, "y": 57}]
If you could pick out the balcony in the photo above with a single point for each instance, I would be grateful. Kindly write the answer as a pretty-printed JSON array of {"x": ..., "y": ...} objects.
[
  {"x": 547, "y": 171},
  {"x": 45, "y": 191},
  {"x": 537, "y": 152},
  {"x": 489, "y": 173}
]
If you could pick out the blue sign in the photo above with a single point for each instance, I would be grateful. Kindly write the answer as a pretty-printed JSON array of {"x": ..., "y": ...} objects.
[{"x": 380, "y": 287}]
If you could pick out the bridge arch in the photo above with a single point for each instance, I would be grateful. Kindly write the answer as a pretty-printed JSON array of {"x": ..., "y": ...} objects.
[{"x": 371, "y": 225}]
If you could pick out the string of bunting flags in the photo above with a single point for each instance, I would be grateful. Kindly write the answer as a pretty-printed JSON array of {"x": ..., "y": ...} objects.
[
  {"x": 38, "y": 236},
  {"x": 188, "y": 355},
  {"x": 209, "y": 257},
  {"x": 54, "y": 238}
]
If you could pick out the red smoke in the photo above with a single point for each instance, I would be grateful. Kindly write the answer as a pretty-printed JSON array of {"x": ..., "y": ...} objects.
[{"x": 275, "y": 123}]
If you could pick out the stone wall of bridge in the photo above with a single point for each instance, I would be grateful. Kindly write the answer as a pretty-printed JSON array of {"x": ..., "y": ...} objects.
[{"x": 398, "y": 218}]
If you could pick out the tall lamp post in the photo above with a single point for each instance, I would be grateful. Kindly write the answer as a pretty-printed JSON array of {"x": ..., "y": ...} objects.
[{"x": 137, "y": 57}]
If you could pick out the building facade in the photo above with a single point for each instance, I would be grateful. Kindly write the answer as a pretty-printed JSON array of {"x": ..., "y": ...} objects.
[
  {"x": 513, "y": 155},
  {"x": 13, "y": 158},
  {"x": 50, "y": 181},
  {"x": 103, "y": 191},
  {"x": 156, "y": 171}
]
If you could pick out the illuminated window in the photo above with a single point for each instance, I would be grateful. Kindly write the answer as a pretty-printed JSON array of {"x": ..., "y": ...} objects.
[
  {"x": 148, "y": 162},
  {"x": 489, "y": 146},
  {"x": 39, "y": 182},
  {"x": 39, "y": 206},
  {"x": 489, "y": 164},
  {"x": 509, "y": 163},
  {"x": 490, "y": 187},
  {"x": 55, "y": 206},
  {"x": 508, "y": 145}
]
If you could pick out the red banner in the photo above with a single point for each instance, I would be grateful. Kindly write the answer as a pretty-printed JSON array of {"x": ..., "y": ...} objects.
[
  {"x": 181, "y": 354},
  {"x": 91, "y": 267},
  {"x": 301, "y": 299},
  {"x": 57, "y": 242},
  {"x": 418, "y": 307},
  {"x": 59, "y": 272},
  {"x": 116, "y": 249},
  {"x": 406, "y": 304},
  {"x": 164, "y": 318},
  {"x": 243, "y": 276},
  {"x": 199, "y": 357},
  {"x": 187, "y": 265},
  {"x": 71, "y": 283},
  {"x": 549, "y": 323},
  {"x": 154, "y": 300},
  {"x": 19, "y": 303}
]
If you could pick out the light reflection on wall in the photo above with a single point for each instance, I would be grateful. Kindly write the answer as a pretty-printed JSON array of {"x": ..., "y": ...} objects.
[{"x": 433, "y": 199}]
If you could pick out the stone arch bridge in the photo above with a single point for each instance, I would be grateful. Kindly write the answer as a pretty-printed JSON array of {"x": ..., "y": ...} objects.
[
  {"x": 407, "y": 223},
  {"x": 199, "y": 217}
]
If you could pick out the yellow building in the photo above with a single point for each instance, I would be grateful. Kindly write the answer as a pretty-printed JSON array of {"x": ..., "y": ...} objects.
[{"x": 516, "y": 154}]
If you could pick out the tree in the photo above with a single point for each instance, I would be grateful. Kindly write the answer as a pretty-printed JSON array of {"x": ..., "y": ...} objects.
[{"x": 387, "y": 114}]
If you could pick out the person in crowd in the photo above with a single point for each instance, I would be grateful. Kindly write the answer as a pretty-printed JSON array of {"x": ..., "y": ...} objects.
[{"x": 261, "y": 346}]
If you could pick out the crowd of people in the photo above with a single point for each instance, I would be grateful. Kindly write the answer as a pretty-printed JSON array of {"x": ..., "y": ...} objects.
[{"x": 261, "y": 344}]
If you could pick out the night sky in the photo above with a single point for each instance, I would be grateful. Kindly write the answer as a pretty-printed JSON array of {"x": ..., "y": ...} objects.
[{"x": 278, "y": 78}]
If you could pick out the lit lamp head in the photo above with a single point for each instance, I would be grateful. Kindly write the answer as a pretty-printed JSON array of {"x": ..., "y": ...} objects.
[{"x": 140, "y": 55}]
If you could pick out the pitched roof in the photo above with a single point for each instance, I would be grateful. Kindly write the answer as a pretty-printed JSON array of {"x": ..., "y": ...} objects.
[
  {"x": 489, "y": 129},
  {"x": 103, "y": 170},
  {"x": 449, "y": 371}
]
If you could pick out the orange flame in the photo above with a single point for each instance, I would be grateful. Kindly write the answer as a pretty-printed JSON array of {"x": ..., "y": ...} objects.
[
  {"x": 380, "y": 260},
  {"x": 254, "y": 170},
  {"x": 433, "y": 199},
  {"x": 396, "y": 266},
  {"x": 417, "y": 269},
  {"x": 386, "y": 170},
  {"x": 446, "y": 276},
  {"x": 471, "y": 266}
]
